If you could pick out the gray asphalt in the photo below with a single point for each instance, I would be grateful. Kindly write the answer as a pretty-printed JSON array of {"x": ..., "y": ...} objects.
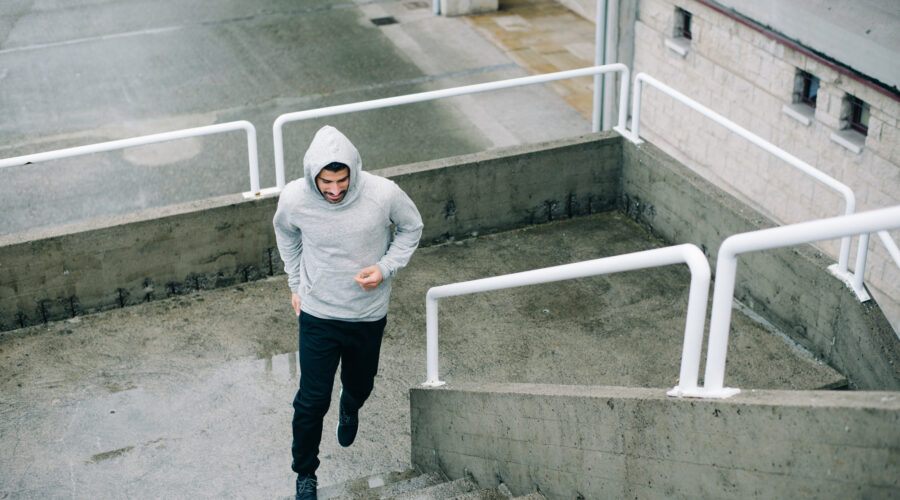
[
  {"x": 86, "y": 71},
  {"x": 191, "y": 396}
]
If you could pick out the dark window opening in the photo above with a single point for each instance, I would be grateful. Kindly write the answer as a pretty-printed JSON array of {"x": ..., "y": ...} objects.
[
  {"x": 858, "y": 115},
  {"x": 682, "y": 23},
  {"x": 807, "y": 88}
]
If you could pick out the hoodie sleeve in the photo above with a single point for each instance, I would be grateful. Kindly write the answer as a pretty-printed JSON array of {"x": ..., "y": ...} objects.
[
  {"x": 408, "y": 229},
  {"x": 290, "y": 245}
]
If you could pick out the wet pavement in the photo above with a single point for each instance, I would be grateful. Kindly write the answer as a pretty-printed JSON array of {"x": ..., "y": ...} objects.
[
  {"x": 543, "y": 36},
  {"x": 83, "y": 72},
  {"x": 191, "y": 396}
]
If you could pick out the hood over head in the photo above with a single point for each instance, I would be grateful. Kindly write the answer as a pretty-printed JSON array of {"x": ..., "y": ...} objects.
[{"x": 328, "y": 146}]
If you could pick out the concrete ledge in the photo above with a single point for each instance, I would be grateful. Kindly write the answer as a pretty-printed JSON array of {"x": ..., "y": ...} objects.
[
  {"x": 72, "y": 270},
  {"x": 616, "y": 442},
  {"x": 115, "y": 262}
]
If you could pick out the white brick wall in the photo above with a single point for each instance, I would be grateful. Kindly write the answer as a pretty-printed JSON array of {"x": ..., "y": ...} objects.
[{"x": 748, "y": 77}]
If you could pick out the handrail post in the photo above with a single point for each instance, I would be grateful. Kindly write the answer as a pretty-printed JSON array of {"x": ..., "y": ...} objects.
[
  {"x": 859, "y": 271},
  {"x": 431, "y": 341},
  {"x": 253, "y": 156},
  {"x": 720, "y": 322},
  {"x": 693, "y": 325},
  {"x": 635, "y": 135},
  {"x": 278, "y": 143},
  {"x": 623, "y": 100}
]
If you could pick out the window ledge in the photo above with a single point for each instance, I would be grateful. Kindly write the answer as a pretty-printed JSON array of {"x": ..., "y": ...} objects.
[
  {"x": 850, "y": 140},
  {"x": 800, "y": 112},
  {"x": 679, "y": 46}
]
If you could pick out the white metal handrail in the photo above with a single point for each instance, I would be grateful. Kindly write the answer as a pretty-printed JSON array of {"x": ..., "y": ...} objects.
[
  {"x": 685, "y": 253},
  {"x": 862, "y": 251},
  {"x": 153, "y": 139},
  {"x": 277, "y": 135},
  {"x": 766, "y": 239},
  {"x": 841, "y": 188}
]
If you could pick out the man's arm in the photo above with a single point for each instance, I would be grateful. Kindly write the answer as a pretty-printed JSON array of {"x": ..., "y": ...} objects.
[
  {"x": 407, "y": 231},
  {"x": 290, "y": 247}
]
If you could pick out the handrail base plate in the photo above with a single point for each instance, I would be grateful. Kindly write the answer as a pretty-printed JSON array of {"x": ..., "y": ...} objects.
[{"x": 847, "y": 278}]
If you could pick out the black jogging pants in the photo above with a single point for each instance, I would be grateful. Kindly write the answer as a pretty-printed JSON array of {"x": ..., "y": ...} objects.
[{"x": 323, "y": 344}]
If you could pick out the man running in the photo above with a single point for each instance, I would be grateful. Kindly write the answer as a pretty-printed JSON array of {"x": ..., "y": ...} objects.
[{"x": 333, "y": 229}]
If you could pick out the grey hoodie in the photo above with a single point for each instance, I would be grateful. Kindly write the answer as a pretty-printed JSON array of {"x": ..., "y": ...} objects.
[{"x": 325, "y": 245}]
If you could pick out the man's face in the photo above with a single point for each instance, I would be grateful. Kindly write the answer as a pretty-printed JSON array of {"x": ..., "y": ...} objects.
[{"x": 333, "y": 185}]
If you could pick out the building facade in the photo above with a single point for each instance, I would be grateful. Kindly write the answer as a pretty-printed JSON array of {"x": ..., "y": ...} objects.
[{"x": 820, "y": 109}]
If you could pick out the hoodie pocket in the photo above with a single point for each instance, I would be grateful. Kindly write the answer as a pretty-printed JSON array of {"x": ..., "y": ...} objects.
[{"x": 336, "y": 289}]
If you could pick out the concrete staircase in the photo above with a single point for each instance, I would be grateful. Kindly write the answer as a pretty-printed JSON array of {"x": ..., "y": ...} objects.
[{"x": 410, "y": 484}]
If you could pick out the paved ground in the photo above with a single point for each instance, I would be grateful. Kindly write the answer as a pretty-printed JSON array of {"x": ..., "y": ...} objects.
[
  {"x": 82, "y": 72},
  {"x": 190, "y": 397}
]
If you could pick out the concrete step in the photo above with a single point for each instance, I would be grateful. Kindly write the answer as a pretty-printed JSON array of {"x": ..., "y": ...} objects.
[
  {"x": 504, "y": 490},
  {"x": 446, "y": 490},
  {"x": 410, "y": 484},
  {"x": 380, "y": 486}
]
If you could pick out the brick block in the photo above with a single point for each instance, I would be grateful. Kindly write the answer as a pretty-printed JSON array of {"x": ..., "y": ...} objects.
[
  {"x": 657, "y": 15},
  {"x": 828, "y": 107}
]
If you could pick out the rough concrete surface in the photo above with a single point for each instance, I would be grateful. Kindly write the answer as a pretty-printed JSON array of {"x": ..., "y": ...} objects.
[
  {"x": 190, "y": 396},
  {"x": 628, "y": 442}
]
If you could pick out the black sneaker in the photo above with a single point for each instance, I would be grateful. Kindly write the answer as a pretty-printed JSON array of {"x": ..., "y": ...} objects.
[
  {"x": 306, "y": 487},
  {"x": 348, "y": 423}
]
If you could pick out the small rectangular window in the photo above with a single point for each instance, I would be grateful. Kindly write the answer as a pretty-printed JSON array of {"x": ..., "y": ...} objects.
[
  {"x": 857, "y": 114},
  {"x": 682, "y": 24},
  {"x": 806, "y": 88}
]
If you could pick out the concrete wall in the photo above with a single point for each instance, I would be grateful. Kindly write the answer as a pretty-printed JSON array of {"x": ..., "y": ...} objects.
[
  {"x": 73, "y": 270},
  {"x": 103, "y": 264},
  {"x": 749, "y": 78},
  {"x": 790, "y": 287},
  {"x": 613, "y": 442}
]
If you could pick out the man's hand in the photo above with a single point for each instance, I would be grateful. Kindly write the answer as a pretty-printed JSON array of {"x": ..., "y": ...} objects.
[
  {"x": 295, "y": 302},
  {"x": 369, "y": 278}
]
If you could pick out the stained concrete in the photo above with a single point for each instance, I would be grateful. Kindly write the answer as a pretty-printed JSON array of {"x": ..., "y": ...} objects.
[{"x": 190, "y": 396}]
